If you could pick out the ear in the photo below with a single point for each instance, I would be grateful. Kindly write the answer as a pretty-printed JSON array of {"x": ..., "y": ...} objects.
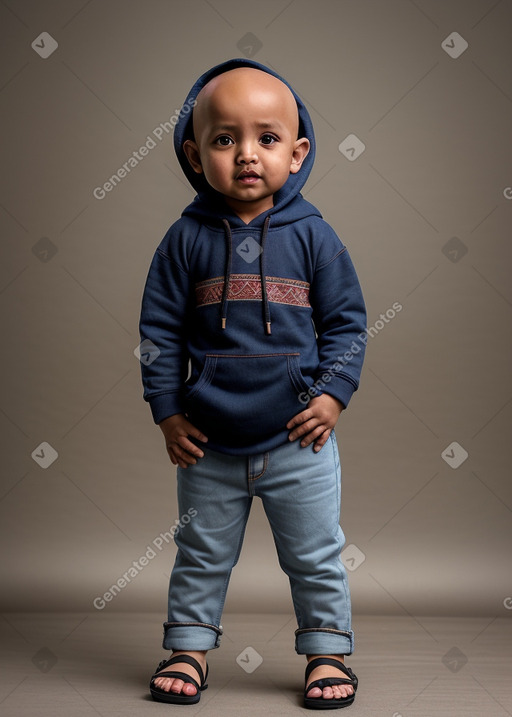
[
  {"x": 192, "y": 152},
  {"x": 300, "y": 152}
]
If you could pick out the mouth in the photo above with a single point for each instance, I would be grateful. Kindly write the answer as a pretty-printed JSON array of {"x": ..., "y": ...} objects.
[{"x": 248, "y": 177}]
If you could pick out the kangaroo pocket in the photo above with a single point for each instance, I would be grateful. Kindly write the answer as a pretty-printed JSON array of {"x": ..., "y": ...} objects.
[{"x": 240, "y": 398}]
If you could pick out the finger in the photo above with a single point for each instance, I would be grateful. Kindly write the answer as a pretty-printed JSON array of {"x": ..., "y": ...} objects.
[
  {"x": 182, "y": 456},
  {"x": 175, "y": 460},
  {"x": 312, "y": 435},
  {"x": 187, "y": 445},
  {"x": 182, "y": 463},
  {"x": 303, "y": 429},
  {"x": 185, "y": 456},
  {"x": 320, "y": 442},
  {"x": 195, "y": 432},
  {"x": 299, "y": 418}
]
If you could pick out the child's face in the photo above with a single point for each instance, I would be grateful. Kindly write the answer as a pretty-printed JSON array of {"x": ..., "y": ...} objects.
[{"x": 245, "y": 130}]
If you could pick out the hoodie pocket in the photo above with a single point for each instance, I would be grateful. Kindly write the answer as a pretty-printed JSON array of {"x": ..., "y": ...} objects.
[{"x": 246, "y": 397}]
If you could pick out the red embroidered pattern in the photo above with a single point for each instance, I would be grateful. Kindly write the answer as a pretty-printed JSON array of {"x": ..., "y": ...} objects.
[{"x": 247, "y": 287}]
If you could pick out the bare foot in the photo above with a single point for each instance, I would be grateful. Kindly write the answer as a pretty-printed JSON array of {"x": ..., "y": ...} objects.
[
  {"x": 335, "y": 692},
  {"x": 174, "y": 684}
]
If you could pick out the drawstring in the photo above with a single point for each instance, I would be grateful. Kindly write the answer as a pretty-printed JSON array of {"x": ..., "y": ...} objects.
[
  {"x": 227, "y": 276},
  {"x": 264, "y": 296}
]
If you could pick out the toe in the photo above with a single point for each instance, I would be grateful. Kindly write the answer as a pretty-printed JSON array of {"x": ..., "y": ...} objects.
[
  {"x": 176, "y": 686},
  {"x": 314, "y": 692},
  {"x": 162, "y": 683}
]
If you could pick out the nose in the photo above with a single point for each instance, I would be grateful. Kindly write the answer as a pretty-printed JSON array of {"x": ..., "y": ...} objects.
[{"x": 247, "y": 153}]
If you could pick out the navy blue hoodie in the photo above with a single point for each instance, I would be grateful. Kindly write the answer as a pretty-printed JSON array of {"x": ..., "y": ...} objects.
[{"x": 250, "y": 320}]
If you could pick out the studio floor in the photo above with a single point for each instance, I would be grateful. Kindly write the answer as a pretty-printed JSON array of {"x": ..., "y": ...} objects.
[{"x": 81, "y": 665}]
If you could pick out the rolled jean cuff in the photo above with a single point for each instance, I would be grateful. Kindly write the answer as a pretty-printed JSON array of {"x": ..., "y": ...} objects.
[
  {"x": 324, "y": 641},
  {"x": 191, "y": 636}
]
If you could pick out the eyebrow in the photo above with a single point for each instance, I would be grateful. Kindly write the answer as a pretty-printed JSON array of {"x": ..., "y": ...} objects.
[{"x": 261, "y": 124}]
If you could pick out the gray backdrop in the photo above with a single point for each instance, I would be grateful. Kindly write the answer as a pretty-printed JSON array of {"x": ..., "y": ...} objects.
[{"x": 425, "y": 211}]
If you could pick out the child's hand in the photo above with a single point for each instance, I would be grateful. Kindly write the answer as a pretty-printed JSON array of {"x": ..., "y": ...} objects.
[
  {"x": 316, "y": 421},
  {"x": 180, "y": 448}
]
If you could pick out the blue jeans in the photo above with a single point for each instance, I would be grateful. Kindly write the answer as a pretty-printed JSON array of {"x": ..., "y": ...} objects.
[{"x": 301, "y": 494}]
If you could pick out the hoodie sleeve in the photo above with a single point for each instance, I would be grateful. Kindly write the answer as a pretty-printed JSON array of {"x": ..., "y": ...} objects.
[
  {"x": 164, "y": 362},
  {"x": 339, "y": 314}
]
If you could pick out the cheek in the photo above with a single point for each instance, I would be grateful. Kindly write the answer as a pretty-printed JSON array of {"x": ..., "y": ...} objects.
[
  {"x": 279, "y": 173},
  {"x": 279, "y": 163},
  {"x": 218, "y": 167}
]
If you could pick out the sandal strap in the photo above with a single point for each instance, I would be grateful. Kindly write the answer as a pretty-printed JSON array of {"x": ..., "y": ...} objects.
[
  {"x": 328, "y": 682},
  {"x": 328, "y": 661},
  {"x": 189, "y": 660},
  {"x": 175, "y": 673}
]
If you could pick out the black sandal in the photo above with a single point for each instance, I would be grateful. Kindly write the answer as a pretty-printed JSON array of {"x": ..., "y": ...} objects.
[
  {"x": 179, "y": 699},
  {"x": 320, "y": 703}
]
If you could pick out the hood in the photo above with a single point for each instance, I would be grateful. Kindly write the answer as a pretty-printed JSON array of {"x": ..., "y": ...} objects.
[
  {"x": 288, "y": 203},
  {"x": 210, "y": 206}
]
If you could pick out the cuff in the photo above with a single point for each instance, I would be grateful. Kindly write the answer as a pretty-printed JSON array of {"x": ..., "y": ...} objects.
[
  {"x": 324, "y": 641},
  {"x": 191, "y": 636},
  {"x": 164, "y": 405},
  {"x": 340, "y": 387}
]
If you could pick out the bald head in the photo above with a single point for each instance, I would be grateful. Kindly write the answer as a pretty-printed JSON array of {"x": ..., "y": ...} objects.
[{"x": 251, "y": 89}]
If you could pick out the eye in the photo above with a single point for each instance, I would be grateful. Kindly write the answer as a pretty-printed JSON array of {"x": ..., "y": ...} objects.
[
  {"x": 268, "y": 139},
  {"x": 224, "y": 140}
]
